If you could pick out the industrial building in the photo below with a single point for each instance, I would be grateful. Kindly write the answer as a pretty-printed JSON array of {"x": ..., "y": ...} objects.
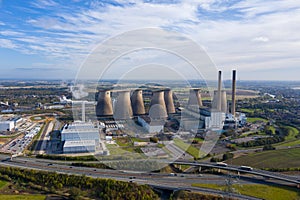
[
  {"x": 128, "y": 105},
  {"x": 7, "y": 125},
  {"x": 79, "y": 146},
  {"x": 80, "y": 137},
  {"x": 151, "y": 126}
]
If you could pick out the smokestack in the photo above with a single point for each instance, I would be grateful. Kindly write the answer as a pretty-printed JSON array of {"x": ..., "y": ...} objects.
[
  {"x": 168, "y": 94},
  {"x": 104, "y": 105},
  {"x": 83, "y": 111},
  {"x": 219, "y": 101},
  {"x": 157, "y": 106},
  {"x": 123, "y": 106},
  {"x": 137, "y": 102},
  {"x": 195, "y": 100},
  {"x": 233, "y": 92}
]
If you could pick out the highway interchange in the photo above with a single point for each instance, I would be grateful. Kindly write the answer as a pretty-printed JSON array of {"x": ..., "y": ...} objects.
[{"x": 157, "y": 180}]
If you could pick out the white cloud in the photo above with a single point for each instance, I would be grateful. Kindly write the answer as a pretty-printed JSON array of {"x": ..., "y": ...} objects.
[
  {"x": 260, "y": 39},
  {"x": 264, "y": 34},
  {"x": 4, "y": 43}
]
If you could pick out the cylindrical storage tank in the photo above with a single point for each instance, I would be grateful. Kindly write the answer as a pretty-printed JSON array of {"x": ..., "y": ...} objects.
[
  {"x": 158, "y": 106},
  {"x": 104, "y": 104},
  {"x": 195, "y": 99},
  {"x": 122, "y": 108},
  {"x": 137, "y": 102},
  {"x": 169, "y": 101}
]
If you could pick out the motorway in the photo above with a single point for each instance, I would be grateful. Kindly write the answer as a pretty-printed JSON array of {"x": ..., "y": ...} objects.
[
  {"x": 181, "y": 181},
  {"x": 162, "y": 181},
  {"x": 263, "y": 173}
]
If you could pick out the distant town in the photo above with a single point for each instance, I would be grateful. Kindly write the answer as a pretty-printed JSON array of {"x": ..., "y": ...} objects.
[{"x": 189, "y": 133}]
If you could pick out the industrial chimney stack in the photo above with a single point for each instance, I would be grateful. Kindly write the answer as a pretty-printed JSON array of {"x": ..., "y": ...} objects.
[
  {"x": 233, "y": 92},
  {"x": 219, "y": 100}
]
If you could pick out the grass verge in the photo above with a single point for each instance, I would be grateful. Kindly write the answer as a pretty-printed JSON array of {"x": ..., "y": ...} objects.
[
  {"x": 283, "y": 158},
  {"x": 268, "y": 192}
]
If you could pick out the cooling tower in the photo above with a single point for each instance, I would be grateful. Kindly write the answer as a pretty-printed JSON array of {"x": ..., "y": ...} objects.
[
  {"x": 122, "y": 108},
  {"x": 104, "y": 105},
  {"x": 168, "y": 95},
  {"x": 214, "y": 103},
  {"x": 233, "y": 92},
  {"x": 158, "y": 103},
  {"x": 137, "y": 102},
  {"x": 223, "y": 100},
  {"x": 195, "y": 98}
]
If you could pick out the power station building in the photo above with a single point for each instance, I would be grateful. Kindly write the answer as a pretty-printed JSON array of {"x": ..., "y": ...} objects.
[
  {"x": 80, "y": 137},
  {"x": 130, "y": 104}
]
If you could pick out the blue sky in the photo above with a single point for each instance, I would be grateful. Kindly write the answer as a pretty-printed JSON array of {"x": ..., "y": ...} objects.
[{"x": 41, "y": 39}]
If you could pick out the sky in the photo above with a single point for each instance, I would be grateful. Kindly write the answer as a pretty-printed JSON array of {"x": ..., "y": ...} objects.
[{"x": 52, "y": 39}]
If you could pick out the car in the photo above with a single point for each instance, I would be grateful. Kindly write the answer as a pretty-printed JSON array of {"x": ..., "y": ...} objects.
[
  {"x": 49, "y": 164},
  {"x": 246, "y": 168},
  {"x": 221, "y": 164}
]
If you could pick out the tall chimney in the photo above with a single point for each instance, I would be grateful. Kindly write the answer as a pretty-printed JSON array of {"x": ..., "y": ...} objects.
[
  {"x": 83, "y": 111},
  {"x": 168, "y": 95},
  {"x": 219, "y": 100},
  {"x": 158, "y": 105},
  {"x": 233, "y": 92},
  {"x": 137, "y": 102},
  {"x": 123, "y": 108},
  {"x": 104, "y": 105}
]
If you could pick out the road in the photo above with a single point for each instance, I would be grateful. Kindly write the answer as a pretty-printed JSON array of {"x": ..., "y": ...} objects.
[
  {"x": 236, "y": 168},
  {"x": 181, "y": 181},
  {"x": 40, "y": 147}
]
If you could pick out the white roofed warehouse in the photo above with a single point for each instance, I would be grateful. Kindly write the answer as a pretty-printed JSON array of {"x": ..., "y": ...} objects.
[{"x": 80, "y": 137}]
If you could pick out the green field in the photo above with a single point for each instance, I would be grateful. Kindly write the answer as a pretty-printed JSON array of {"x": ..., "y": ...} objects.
[
  {"x": 193, "y": 151},
  {"x": 284, "y": 158},
  {"x": 255, "y": 119},
  {"x": 291, "y": 139},
  {"x": 22, "y": 197},
  {"x": 268, "y": 192},
  {"x": 292, "y": 133},
  {"x": 3, "y": 184}
]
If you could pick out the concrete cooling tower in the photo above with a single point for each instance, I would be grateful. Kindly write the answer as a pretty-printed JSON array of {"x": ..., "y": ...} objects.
[
  {"x": 137, "y": 102},
  {"x": 157, "y": 106},
  {"x": 223, "y": 101},
  {"x": 104, "y": 104},
  {"x": 122, "y": 108},
  {"x": 195, "y": 99},
  {"x": 168, "y": 96}
]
